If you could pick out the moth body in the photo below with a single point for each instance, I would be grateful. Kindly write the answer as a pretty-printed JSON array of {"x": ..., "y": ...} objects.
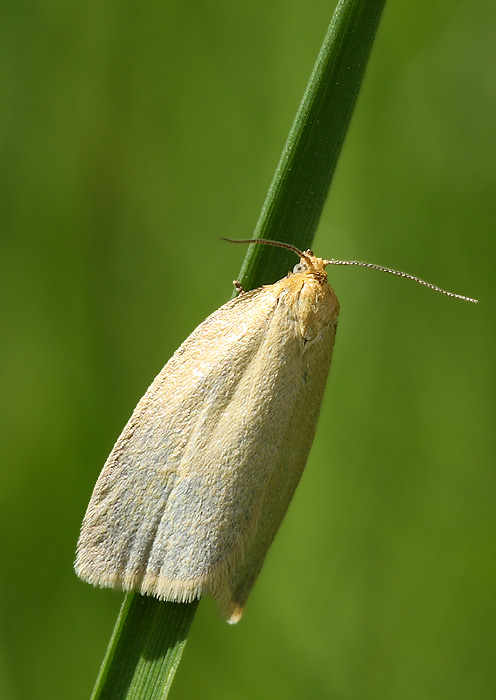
[{"x": 199, "y": 481}]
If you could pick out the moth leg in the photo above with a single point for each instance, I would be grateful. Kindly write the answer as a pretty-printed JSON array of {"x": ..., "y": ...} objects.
[{"x": 238, "y": 286}]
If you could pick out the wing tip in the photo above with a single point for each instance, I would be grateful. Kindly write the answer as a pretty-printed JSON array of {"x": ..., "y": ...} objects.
[
  {"x": 235, "y": 615},
  {"x": 162, "y": 588}
]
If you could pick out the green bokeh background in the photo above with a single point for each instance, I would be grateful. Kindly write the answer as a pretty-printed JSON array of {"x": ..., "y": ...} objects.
[{"x": 133, "y": 136}]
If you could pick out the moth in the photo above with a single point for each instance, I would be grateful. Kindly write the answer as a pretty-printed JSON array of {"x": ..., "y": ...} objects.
[{"x": 198, "y": 482}]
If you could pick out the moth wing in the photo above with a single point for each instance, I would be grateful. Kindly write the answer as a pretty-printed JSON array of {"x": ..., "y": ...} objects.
[{"x": 200, "y": 478}]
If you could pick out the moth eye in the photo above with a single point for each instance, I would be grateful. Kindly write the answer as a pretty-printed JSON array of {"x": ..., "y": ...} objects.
[{"x": 300, "y": 267}]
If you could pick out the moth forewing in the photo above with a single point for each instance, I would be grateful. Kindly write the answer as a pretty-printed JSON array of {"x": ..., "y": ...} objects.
[{"x": 196, "y": 486}]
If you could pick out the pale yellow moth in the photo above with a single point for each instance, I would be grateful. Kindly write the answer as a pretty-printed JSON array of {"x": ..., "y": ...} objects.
[{"x": 199, "y": 481}]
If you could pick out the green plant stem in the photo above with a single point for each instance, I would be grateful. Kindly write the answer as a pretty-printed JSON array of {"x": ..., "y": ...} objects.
[
  {"x": 297, "y": 194},
  {"x": 145, "y": 649},
  {"x": 150, "y": 635}
]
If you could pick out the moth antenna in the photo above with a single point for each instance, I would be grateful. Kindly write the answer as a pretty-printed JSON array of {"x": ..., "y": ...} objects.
[
  {"x": 266, "y": 241},
  {"x": 400, "y": 274}
]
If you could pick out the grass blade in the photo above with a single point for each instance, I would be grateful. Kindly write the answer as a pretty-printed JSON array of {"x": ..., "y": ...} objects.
[
  {"x": 298, "y": 191},
  {"x": 150, "y": 635},
  {"x": 145, "y": 649}
]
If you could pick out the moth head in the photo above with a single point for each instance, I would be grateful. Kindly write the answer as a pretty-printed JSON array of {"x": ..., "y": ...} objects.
[{"x": 311, "y": 265}]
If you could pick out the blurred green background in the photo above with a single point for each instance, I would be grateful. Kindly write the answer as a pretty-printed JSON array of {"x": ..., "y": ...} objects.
[{"x": 133, "y": 136}]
